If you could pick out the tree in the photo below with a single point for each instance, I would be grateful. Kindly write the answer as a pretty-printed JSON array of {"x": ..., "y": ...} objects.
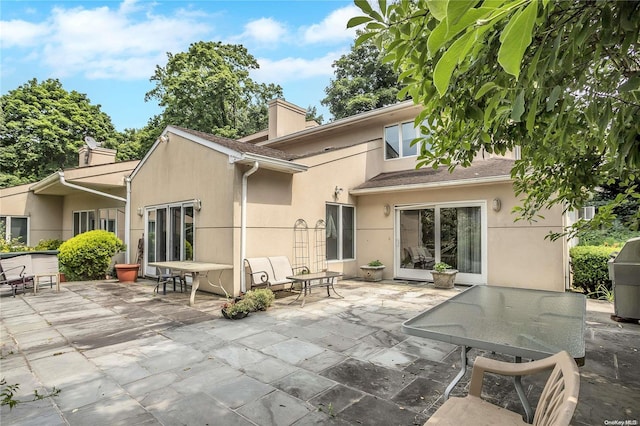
[
  {"x": 208, "y": 88},
  {"x": 557, "y": 80},
  {"x": 41, "y": 128},
  {"x": 312, "y": 115},
  {"x": 362, "y": 82}
]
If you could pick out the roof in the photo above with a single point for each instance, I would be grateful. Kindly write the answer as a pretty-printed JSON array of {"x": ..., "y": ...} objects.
[
  {"x": 480, "y": 171},
  {"x": 243, "y": 147}
]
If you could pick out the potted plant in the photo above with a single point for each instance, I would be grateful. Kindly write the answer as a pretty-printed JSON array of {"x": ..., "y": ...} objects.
[
  {"x": 372, "y": 271},
  {"x": 127, "y": 272},
  {"x": 444, "y": 276},
  {"x": 236, "y": 309}
]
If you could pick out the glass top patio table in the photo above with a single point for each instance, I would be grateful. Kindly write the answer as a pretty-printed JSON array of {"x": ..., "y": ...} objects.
[
  {"x": 520, "y": 322},
  {"x": 523, "y": 323}
]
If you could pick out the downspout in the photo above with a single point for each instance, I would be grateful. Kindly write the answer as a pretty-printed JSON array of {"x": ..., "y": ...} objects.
[
  {"x": 243, "y": 225},
  {"x": 127, "y": 219}
]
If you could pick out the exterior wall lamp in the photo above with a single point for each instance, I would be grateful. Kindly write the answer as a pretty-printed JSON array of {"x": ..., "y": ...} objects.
[
  {"x": 496, "y": 204},
  {"x": 140, "y": 211},
  {"x": 197, "y": 204}
]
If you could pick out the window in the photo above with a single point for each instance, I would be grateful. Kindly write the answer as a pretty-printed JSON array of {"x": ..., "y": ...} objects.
[
  {"x": 398, "y": 138},
  {"x": 84, "y": 221},
  {"x": 170, "y": 233},
  {"x": 15, "y": 227},
  {"x": 340, "y": 232}
]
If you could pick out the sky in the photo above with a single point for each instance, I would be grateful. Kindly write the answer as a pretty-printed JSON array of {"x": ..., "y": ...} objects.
[{"x": 108, "y": 50}]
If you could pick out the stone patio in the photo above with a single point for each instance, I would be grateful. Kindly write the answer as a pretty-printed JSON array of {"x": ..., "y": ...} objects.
[{"x": 121, "y": 354}]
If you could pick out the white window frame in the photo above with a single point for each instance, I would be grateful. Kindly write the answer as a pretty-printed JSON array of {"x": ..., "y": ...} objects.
[
  {"x": 89, "y": 228},
  {"x": 418, "y": 134},
  {"x": 7, "y": 232},
  {"x": 340, "y": 229},
  {"x": 462, "y": 278}
]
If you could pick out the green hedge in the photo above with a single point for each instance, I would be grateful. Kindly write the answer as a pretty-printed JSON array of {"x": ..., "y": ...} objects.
[
  {"x": 87, "y": 256},
  {"x": 589, "y": 266}
]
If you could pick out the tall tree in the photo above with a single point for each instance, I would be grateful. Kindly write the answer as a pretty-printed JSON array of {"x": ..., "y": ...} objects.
[
  {"x": 362, "y": 82},
  {"x": 558, "y": 80},
  {"x": 41, "y": 128},
  {"x": 208, "y": 88}
]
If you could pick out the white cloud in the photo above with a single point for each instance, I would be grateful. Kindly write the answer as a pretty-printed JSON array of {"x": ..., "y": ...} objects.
[
  {"x": 333, "y": 28},
  {"x": 264, "y": 31},
  {"x": 122, "y": 43},
  {"x": 290, "y": 69},
  {"x": 18, "y": 33}
]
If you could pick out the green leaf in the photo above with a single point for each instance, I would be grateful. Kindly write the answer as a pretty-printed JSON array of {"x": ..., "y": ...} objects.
[
  {"x": 517, "y": 37},
  {"x": 553, "y": 98},
  {"x": 364, "y": 37},
  {"x": 358, "y": 20},
  {"x": 383, "y": 6},
  {"x": 457, "y": 8},
  {"x": 364, "y": 6},
  {"x": 531, "y": 115},
  {"x": 438, "y": 8},
  {"x": 485, "y": 89},
  {"x": 518, "y": 107},
  {"x": 447, "y": 63},
  {"x": 632, "y": 84}
]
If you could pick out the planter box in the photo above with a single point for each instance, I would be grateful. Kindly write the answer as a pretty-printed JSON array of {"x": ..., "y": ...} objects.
[
  {"x": 444, "y": 279},
  {"x": 372, "y": 273}
]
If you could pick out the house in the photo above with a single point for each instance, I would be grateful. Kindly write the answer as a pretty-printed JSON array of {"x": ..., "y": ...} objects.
[
  {"x": 66, "y": 203},
  {"x": 351, "y": 184}
]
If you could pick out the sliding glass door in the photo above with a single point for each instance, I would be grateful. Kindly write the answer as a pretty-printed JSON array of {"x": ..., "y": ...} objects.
[
  {"x": 450, "y": 233},
  {"x": 169, "y": 234}
]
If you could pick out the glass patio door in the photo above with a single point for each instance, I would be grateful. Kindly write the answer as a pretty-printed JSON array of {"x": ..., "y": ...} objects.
[
  {"x": 454, "y": 234},
  {"x": 169, "y": 234}
]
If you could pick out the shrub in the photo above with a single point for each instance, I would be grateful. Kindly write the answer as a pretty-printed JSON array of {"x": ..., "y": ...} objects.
[
  {"x": 589, "y": 266},
  {"x": 51, "y": 244},
  {"x": 260, "y": 298},
  {"x": 87, "y": 256}
]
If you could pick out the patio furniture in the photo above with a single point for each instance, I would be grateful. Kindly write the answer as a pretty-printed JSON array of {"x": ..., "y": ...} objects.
[
  {"x": 420, "y": 257},
  {"x": 166, "y": 275},
  {"x": 556, "y": 405},
  {"x": 523, "y": 323},
  {"x": 35, "y": 266},
  {"x": 195, "y": 269},
  {"x": 271, "y": 271},
  {"x": 12, "y": 273},
  {"x": 317, "y": 279}
]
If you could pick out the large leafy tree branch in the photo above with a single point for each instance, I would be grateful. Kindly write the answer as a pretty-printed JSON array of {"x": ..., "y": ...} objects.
[
  {"x": 558, "y": 81},
  {"x": 208, "y": 88}
]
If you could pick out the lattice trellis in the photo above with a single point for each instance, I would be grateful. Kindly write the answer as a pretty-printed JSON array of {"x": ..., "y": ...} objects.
[
  {"x": 300, "y": 244},
  {"x": 320, "y": 247}
]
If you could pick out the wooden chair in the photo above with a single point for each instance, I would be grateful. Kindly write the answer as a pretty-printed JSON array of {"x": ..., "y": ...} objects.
[{"x": 555, "y": 408}]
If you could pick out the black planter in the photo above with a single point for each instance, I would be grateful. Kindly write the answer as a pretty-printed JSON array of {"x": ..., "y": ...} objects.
[{"x": 237, "y": 315}]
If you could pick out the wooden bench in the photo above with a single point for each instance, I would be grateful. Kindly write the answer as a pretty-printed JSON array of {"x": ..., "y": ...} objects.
[
  {"x": 19, "y": 269},
  {"x": 555, "y": 408},
  {"x": 271, "y": 271}
]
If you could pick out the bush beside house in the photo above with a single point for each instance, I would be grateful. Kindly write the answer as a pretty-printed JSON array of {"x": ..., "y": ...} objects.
[
  {"x": 589, "y": 267},
  {"x": 87, "y": 256}
]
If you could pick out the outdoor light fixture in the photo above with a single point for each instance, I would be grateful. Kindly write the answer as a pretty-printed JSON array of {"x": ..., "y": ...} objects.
[
  {"x": 387, "y": 209},
  {"x": 140, "y": 211},
  {"x": 496, "y": 205},
  {"x": 164, "y": 138},
  {"x": 337, "y": 192},
  {"x": 197, "y": 204}
]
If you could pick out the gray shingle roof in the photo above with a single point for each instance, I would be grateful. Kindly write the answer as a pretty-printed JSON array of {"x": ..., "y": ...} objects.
[
  {"x": 244, "y": 147},
  {"x": 479, "y": 169}
]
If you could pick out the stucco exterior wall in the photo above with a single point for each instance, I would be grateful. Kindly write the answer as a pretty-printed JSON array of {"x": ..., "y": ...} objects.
[
  {"x": 517, "y": 253},
  {"x": 44, "y": 212},
  {"x": 179, "y": 171}
]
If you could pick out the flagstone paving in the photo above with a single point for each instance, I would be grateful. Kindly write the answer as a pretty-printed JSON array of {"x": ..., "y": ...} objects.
[{"x": 120, "y": 354}]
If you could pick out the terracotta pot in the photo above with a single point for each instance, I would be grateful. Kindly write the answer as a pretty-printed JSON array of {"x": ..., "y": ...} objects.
[{"x": 127, "y": 273}]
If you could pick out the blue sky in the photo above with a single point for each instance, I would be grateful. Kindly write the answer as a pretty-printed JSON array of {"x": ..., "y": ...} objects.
[{"x": 109, "y": 49}]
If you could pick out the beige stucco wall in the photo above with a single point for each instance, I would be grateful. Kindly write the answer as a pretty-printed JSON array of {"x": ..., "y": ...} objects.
[
  {"x": 517, "y": 253},
  {"x": 179, "y": 171},
  {"x": 44, "y": 212}
]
